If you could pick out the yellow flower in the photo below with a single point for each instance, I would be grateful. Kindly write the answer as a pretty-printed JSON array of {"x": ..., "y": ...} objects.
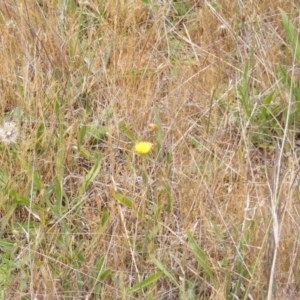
[{"x": 143, "y": 147}]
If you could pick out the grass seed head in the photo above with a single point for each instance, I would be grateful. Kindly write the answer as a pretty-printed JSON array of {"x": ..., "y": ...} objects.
[
  {"x": 9, "y": 133},
  {"x": 153, "y": 127}
]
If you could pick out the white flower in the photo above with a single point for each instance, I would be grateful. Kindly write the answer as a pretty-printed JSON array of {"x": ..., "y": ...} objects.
[{"x": 9, "y": 132}]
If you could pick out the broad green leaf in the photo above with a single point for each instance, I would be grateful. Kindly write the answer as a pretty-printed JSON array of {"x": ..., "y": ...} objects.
[
  {"x": 7, "y": 245},
  {"x": 5, "y": 274}
]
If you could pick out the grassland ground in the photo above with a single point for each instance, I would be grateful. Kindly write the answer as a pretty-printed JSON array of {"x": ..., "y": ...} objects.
[{"x": 211, "y": 211}]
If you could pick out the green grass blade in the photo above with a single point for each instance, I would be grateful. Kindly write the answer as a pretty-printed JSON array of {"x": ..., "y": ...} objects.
[
  {"x": 243, "y": 91},
  {"x": 59, "y": 193},
  {"x": 81, "y": 135},
  {"x": 89, "y": 178},
  {"x": 164, "y": 270},
  {"x": 60, "y": 156},
  {"x": 105, "y": 217},
  {"x": 124, "y": 200},
  {"x": 159, "y": 133},
  {"x": 105, "y": 274},
  {"x": 123, "y": 128},
  {"x": 291, "y": 34},
  {"x": 201, "y": 257},
  {"x": 148, "y": 281},
  {"x": 85, "y": 153}
]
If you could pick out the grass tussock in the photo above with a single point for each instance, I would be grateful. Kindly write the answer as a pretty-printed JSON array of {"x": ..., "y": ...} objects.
[{"x": 211, "y": 212}]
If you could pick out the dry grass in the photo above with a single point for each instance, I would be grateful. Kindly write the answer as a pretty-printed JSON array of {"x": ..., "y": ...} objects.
[{"x": 213, "y": 205}]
